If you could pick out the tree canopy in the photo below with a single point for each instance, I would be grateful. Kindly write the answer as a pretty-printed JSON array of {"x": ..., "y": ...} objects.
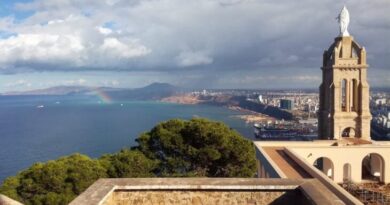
[
  {"x": 60, "y": 181},
  {"x": 128, "y": 163},
  {"x": 54, "y": 182},
  {"x": 197, "y": 147}
]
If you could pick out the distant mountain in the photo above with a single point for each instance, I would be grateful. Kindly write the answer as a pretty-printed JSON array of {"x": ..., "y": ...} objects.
[
  {"x": 154, "y": 91},
  {"x": 58, "y": 90}
]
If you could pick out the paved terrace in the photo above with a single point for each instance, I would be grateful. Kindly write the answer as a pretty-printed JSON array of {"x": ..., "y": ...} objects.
[{"x": 288, "y": 166}]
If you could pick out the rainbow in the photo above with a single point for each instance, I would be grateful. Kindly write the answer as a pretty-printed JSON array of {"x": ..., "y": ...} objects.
[{"x": 103, "y": 96}]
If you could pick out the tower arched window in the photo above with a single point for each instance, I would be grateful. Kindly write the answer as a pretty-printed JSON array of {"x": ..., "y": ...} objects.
[
  {"x": 354, "y": 99},
  {"x": 344, "y": 85}
]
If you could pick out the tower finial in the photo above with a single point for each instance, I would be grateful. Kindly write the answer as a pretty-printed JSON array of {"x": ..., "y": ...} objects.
[{"x": 343, "y": 19}]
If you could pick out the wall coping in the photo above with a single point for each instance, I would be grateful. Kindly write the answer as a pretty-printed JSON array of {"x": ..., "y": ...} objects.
[{"x": 272, "y": 163}]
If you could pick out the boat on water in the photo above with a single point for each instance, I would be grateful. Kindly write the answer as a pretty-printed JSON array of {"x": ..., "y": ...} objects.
[
  {"x": 284, "y": 132},
  {"x": 40, "y": 106}
]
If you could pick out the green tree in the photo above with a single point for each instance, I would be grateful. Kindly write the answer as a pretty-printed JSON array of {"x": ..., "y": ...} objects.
[
  {"x": 54, "y": 182},
  {"x": 198, "y": 147},
  {"x": 128, "y": 163},
  {"x": 9, "y": 187}
]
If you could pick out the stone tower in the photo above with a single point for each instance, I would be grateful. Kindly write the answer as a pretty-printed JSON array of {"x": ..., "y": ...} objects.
[{"x": 344, "y": 92}]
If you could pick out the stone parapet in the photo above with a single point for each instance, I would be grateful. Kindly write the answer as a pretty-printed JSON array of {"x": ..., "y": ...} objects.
[{"x": 206, "y": 191}]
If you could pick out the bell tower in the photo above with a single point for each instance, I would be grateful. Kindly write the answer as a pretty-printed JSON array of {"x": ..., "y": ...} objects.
[{"x": 344, "y": 92}]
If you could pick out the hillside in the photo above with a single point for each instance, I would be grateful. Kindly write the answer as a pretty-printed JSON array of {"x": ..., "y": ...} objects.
[{"x": 154, "y": 91}]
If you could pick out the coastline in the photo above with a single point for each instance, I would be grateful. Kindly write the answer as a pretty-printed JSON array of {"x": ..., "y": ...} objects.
[
  {"x": 184, "y": 99},
  {"x": 249, "y": 116}
]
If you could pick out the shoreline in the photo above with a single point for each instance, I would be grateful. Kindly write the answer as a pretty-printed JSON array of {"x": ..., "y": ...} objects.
[{"x": 248, "y": 116}]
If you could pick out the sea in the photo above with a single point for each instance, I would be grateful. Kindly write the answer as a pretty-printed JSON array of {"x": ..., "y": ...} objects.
[{"x": 41, "y": 128}]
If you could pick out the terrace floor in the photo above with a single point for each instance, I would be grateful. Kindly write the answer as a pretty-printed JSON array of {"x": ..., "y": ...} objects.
[{"x": 288, "y": 166}]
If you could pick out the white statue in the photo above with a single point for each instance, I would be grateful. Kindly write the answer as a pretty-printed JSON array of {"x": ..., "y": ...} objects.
[{"x": 343, "y": 19}]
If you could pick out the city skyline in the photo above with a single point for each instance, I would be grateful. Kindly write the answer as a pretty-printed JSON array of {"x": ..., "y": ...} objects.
[{"x": 202, "y": 44}]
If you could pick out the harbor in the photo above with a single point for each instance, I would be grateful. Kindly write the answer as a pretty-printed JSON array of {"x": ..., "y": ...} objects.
[{"x": 286, "y": 130}]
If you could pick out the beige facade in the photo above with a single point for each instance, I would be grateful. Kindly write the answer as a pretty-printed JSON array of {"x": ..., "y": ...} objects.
[
  {"x": 344, "y": 162},
  {"x": 330, "y": 161},
  {"x": 344, "y": 92},
  {"x": 340, "y": 166}
]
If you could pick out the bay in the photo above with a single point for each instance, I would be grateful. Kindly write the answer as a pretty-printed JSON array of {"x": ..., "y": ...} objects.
[{"x": 40, "y": 128}]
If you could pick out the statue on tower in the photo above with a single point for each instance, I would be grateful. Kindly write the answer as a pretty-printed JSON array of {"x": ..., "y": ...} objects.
[{"x": 343, "y": 19}]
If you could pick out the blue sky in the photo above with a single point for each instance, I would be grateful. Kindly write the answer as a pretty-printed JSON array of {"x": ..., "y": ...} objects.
[
  {"x": 202, "y": 44},
  {"x": 7, "y": 8}
]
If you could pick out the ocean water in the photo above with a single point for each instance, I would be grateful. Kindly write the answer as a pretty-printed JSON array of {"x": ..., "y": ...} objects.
[{"x": 40, "y": 128}]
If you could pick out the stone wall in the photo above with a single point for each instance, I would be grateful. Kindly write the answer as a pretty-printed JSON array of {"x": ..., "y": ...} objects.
[
  {"x": 183, "y": 191},
  {"x": 184, "y": 197}
]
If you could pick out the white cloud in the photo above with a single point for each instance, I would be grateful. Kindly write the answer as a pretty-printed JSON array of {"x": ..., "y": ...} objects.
[
  {"x": 66, "y": 50},
  {"x": 82, "y": 81},
  {"x": 6, "y": 22},
  {"x": 18, "y": 83},
  {"x": 112, "y": 2},
  {"x": 189, "y": 58},
  {"x": 113, "y": 83},
  {"x": 40, "y": 48},
  {"x": 277, "y": 58},
  {"x": 55, "y": 21},
  {"x": 104, "y": 31},
  {"x": 72, "y": 82},
  {"x": 116, "y": 48}
]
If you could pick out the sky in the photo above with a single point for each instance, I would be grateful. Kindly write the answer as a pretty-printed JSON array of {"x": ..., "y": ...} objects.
[{"x": 255, "y": 44}]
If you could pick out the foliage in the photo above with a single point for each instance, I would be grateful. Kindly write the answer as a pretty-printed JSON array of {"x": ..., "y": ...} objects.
[
  {"x": 9, "y": 187},
  {"x": 55, "y": 182},
  {"x": 198, "y": 147},
  {"x": 128, "y": 163}
]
